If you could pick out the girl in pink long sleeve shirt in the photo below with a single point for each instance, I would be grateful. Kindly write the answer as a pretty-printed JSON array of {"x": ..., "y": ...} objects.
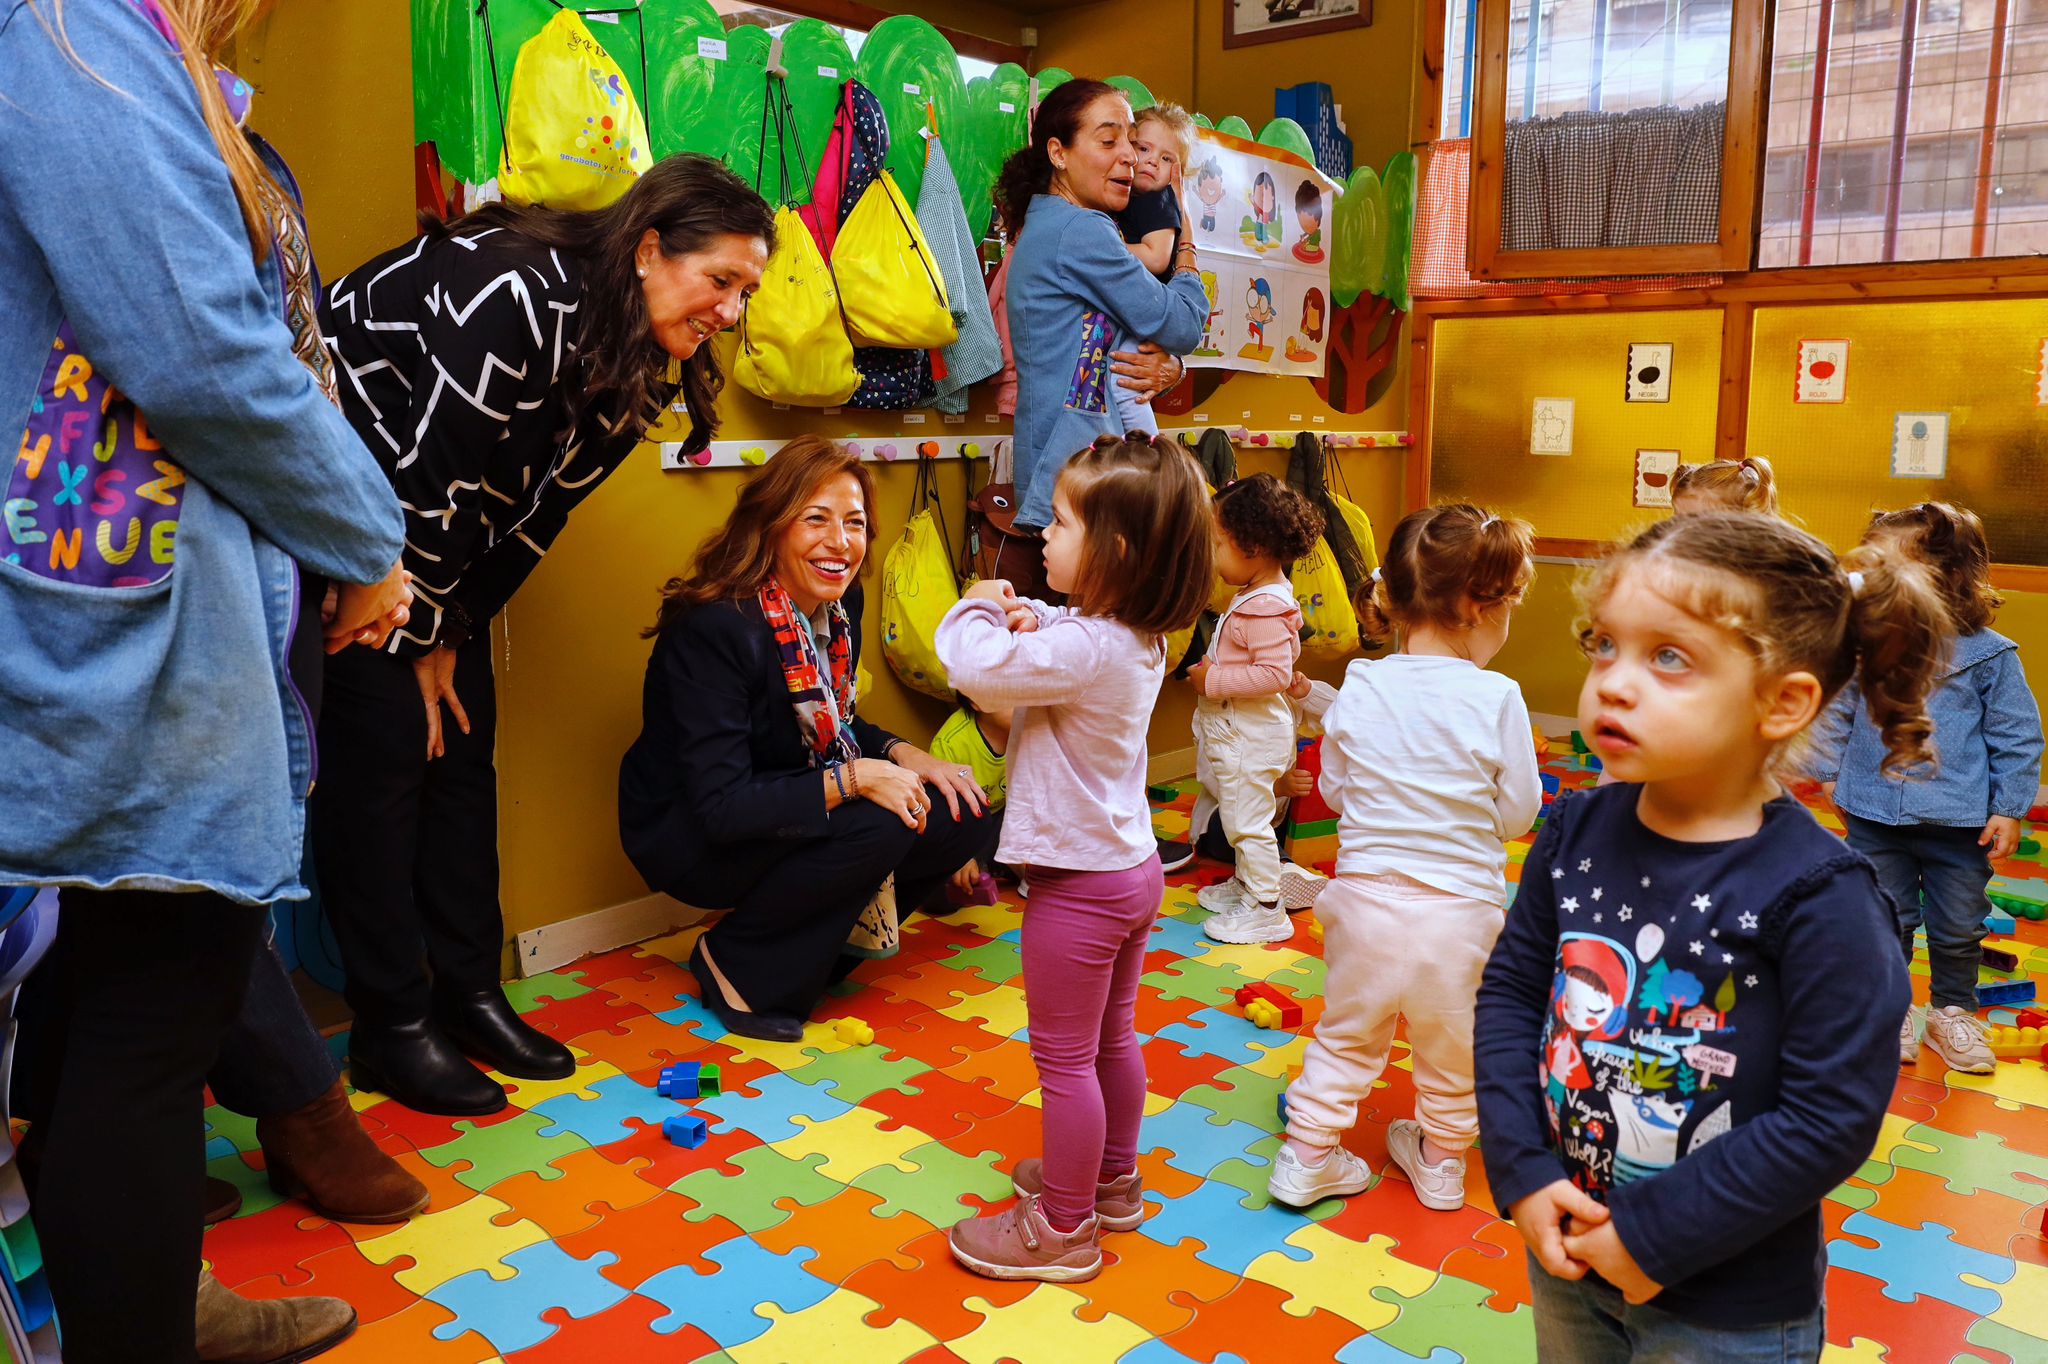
[
  {"x": 1244, "y": 723},
  {"x": 1130, "y": 545}
]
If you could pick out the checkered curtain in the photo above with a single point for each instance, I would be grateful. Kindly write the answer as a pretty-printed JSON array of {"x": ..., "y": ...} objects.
[
  {"x": 1438, "y": 268},
  {"x": 1647, "y": 177}
]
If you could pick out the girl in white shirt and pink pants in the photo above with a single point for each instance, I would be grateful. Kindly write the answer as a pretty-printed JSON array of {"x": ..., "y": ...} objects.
[{"x": 1428, "y": 761}]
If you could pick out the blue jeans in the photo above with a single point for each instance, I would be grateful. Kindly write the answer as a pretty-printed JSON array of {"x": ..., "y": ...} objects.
[
  {"x": 1934, "y": 874},
  {"x": 1589, "y": 1322}
]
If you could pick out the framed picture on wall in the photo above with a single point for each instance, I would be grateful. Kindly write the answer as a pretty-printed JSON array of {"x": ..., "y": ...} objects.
[{"x": 1270, "y": 21}]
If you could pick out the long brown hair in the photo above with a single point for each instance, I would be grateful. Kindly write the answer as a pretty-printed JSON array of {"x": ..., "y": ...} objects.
[
  {"x": 1950, "y": 540},
  {"x": 204, "y": 28},
  {"x": 1147, "y": 548},
  {"x": 1028, "y": 172},
  {"x": 1796, "y": 607},
  {"x": 1446, "y": 566},
  {"x": 739, "y": 556},
  {"x": 690, "y": 201}
]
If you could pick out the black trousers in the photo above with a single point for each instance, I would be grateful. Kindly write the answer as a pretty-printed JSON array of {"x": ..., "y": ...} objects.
[
  {"x": 794, "y": 903},
  {"x": 273, "y": 1061},
  {"x": 407, "y": 849},
  {"x": 119, "y": 1027}
]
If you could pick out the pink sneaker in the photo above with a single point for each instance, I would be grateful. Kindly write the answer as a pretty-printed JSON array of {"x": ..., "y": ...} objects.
[
  {"x": 1018, "y": 1243},
  {"x": 1119, "y": 1204}
]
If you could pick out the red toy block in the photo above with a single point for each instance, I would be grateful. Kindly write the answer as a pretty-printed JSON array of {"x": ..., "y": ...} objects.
[
  {"x": 2030, "y": 1018},
  {"x": 1290, "y": 1012}
]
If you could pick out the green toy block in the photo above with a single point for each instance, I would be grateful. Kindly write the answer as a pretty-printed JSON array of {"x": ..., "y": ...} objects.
[
  {"x": 1579, "y": 743},
  {"x": 1161, "y": 793}
]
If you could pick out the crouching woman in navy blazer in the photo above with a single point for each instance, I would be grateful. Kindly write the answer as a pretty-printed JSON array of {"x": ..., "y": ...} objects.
[{"x": 754, "y": 786}]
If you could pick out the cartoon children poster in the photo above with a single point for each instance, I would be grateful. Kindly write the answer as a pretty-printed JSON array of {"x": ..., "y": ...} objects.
[{"x": 1258, "y": 215}]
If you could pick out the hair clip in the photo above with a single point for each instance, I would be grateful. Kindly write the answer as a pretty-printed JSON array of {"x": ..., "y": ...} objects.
[
  {"x": 1855, "y": 583},
  {"x": 1489, "y": 523},
  {"x": 1375, "y": 575}
]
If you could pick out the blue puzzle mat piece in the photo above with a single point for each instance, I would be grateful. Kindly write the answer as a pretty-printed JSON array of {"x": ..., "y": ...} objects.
[
  {"x": 602, "y": 1120},
  {"x": 690, "y": 1013},
  {"x": 1159, "y": 1352},
  {"x": 1231, "y": 1234},
  {"x": 1177, "y": 936},
  {"x": 1212, "y": 1032},
  {"x": 722, "y": 1304},
  {"x": 767, "y": 1114},
  {"x": 507, "y": 1312},
  {"x": 1199, "y": 1143},
  {"x": 1922, "y": 1261}
]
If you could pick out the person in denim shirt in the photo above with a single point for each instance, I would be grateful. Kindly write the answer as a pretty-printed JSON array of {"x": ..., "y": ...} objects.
[
  {"x": 1933, "y": 832},
  {"x": 156, "y": 758}
]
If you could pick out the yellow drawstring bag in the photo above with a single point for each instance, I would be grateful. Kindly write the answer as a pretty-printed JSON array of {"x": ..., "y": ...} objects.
[
  {"x": 574, "y": 136},
  {"x": 1325, "y": 604},
  {"x": 792, "y": 344},
  {"x": 889, "y": 284},
  {"x": 918, "y": 588}
]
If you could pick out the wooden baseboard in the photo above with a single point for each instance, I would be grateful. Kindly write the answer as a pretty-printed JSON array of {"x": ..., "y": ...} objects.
[
  {"x": 1171, "y": 765},
  {"x": 602, "y": 930}
]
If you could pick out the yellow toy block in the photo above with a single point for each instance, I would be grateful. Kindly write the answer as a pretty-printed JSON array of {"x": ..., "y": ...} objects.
[
  {"x": 1263, "y": 1014},
  {"x": 853, "y": 1031},
  {"x": 2012, "y": 1044}
]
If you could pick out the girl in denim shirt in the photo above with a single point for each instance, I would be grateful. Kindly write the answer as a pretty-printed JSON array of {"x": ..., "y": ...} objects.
[{"x": 1934, "y": 831}]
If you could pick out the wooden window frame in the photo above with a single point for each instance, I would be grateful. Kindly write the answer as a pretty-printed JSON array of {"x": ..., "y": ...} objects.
[{"x": 1742, "y": 150}]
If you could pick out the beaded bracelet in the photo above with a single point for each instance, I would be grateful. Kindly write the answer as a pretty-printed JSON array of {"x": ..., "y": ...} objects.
[
  {"x": 853, "y": 776},
  {"x": 837, "y": 781}
]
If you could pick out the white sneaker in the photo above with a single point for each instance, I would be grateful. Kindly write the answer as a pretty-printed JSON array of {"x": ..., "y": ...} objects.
[
  {"x": 1298, "y": 1185},
  {"x": 1909, "y": 1036},
  {"x": 1299, "y": 887},
  {"x": 1250, "y": 922},
  {"x": 1221, "y": 897},
  {"x": 1958, "y": 1039},
  {"x": 1436, "y": 1186}
]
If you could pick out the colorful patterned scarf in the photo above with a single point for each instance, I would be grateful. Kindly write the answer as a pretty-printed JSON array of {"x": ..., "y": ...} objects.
[{"x": 826, "y": 727}]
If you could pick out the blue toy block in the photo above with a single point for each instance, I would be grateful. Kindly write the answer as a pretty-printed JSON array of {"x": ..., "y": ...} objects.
[
  {"x": 1552, "y": 783},
  {"x": 2005, "y": 992},
  {"x": 689, "y": 1080},
  {"x": 1999, "y": 922},
  {"x": 685, "y": 1129}
]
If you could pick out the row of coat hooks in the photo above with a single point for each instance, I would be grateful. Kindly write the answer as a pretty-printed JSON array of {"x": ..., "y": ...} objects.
[{"x": 1337, "y": 440}]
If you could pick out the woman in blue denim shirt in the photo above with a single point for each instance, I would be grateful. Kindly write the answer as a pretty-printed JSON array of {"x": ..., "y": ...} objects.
[
  {"x": 157, "y": 759},
  {"x": 1933, "y": 834}
]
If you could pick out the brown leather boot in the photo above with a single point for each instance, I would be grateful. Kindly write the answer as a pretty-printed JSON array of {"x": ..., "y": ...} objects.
[
  {"x": 321, "y": 1156},
  {"x": 223, "y": 1200},
  {"x": 232, "y": 1329}
]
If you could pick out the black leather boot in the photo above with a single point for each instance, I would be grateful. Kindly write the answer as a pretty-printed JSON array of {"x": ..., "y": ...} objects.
[
  {"x": 484, "y": 1024},
  {"x": 421, "y": 1068}
]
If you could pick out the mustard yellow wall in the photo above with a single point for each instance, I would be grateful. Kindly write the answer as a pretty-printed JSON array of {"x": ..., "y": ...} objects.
[{"x": 336, "y": 98}]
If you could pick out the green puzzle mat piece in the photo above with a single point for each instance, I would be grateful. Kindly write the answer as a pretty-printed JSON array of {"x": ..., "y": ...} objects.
[
  {"x": 749, "y": 1199},
  {"x": 934, "y": 1191},
  {"x": 1973, "y": 1164},
  {"x": 859, "y": 1072},
  {"x": 504, "y": 1149}
]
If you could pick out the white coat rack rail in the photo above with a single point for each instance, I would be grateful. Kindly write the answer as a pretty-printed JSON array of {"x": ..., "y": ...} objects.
[
  {"x": 885, "y": 449},
  {"x": 1338, "y": 440}
]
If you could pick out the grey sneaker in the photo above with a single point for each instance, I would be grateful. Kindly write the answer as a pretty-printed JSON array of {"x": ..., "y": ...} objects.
[
  {"x": 1958, "y": 1039},
  {"x": 1909, "y": 1036},
  {"x": 1119, "y": 1204},
  {"x": 1221, "y": 897},
  {"x": 1298, "y": 1185},
  {"x": 1018, "y": 1243},
  {"x": 1436, "y": 1186},
  {"x": 1250, "y": 922},
  {"x": 1299, "y": 887}
]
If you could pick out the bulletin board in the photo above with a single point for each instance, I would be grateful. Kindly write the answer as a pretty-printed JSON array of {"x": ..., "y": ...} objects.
[
  {"x": 1973, "y": 368},
  {"x": 1488, "y": 373}
]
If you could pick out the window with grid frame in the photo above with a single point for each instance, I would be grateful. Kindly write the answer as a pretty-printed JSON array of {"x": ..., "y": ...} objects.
[{"x": 1958, "y": 169}]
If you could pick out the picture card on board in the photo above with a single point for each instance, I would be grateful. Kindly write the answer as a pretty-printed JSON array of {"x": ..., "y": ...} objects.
[
  {"x": 1655, "y": 470},
  {"x": 1823, "y": 375},
  {"x": 1649, "y": 372},
  {"x": 1920, "y": 445},
  {"x": 1550, "y": 426}
]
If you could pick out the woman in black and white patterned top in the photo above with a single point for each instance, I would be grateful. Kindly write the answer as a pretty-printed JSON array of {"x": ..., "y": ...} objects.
[{"x": 499, "y": 367}]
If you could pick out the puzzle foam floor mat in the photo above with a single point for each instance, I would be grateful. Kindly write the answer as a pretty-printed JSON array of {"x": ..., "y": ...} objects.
[{"x": 811, "y": 1224}]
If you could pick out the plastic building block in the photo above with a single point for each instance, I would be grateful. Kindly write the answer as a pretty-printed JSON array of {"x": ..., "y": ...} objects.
[
  {"x": 1552, "y": 783},
  {"x": 2009, "y": 1044},
  {"x": 1998, "y": 959},
  {"x": 1161, "y": 793},
  {"x": 2029, "y": 847},
  {"x": 853, "y": 1031},
  {"x": 1579, "y": 743},
  {"x": 1315, "y": 928},
  {"x": 685, "y": 1129},
  {"x": 688, "y": 1080},
  {"x": 1268, "y": 1007},
  {"x": 2005, "y": 992},
  {"x": 2031, "y": 1018},
  {"x": 1998, "y": 921}
]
